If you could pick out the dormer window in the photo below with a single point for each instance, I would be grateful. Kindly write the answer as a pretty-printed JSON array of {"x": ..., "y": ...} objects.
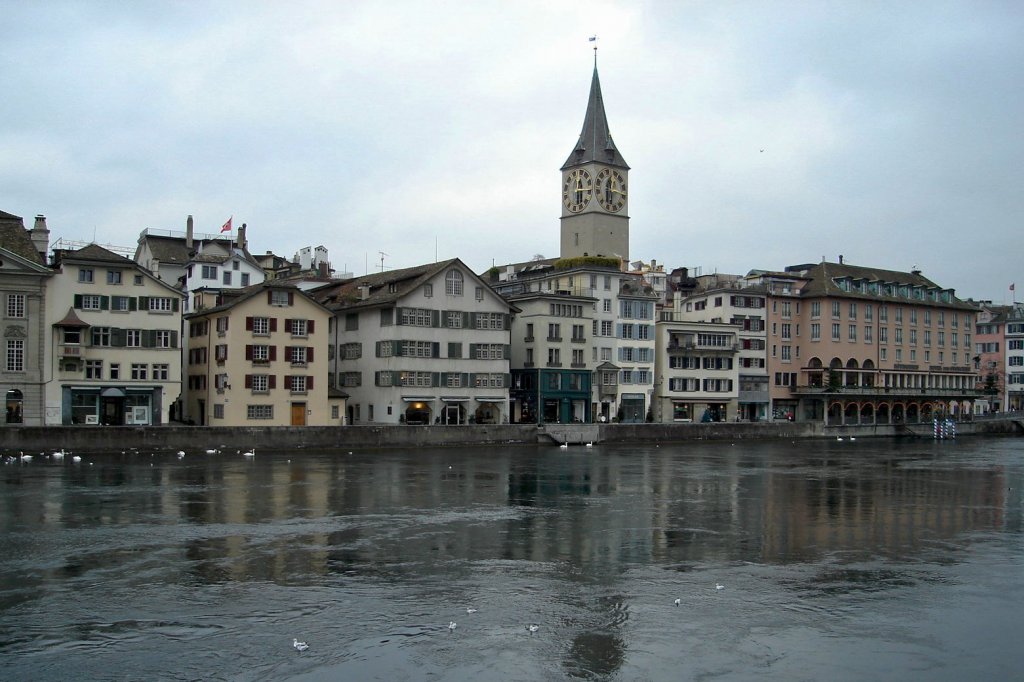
[{"x": 453, "y": 283}]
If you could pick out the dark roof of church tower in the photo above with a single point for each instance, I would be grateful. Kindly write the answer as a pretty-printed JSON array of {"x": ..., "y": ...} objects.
[{"x": 595, "y": 143}]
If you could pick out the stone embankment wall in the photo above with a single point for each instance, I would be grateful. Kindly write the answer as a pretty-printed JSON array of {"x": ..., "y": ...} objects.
[{"x": 37, "y": 438}]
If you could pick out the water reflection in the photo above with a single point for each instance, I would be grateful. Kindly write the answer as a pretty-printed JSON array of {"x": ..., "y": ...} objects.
[{"x": 537, "y": 533}]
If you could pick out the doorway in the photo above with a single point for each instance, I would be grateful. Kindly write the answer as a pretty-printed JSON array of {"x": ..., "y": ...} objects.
[{"x": 298, "y": 414}]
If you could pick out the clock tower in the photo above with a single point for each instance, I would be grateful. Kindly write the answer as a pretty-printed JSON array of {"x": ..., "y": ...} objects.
[{"x": 595, "y": 199}]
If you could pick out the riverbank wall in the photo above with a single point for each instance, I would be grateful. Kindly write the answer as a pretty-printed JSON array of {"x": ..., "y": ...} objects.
[{"x": 85, "y": 438}]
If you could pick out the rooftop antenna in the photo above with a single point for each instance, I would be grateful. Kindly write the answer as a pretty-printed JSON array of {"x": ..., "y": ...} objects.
[{"x": 382, "y": 255}]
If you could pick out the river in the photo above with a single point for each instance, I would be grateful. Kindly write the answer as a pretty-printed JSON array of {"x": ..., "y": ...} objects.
[{"x": 807, "y": 560}]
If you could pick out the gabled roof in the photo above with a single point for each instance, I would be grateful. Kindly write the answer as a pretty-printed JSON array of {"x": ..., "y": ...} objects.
[
  {"x": 96, "y": 253},
  {"x": 595, "y": 143},
  {"x": 233, "y": 297},
  {"x": 384, "y": 287},
  {"x": 16, "y": 239}
]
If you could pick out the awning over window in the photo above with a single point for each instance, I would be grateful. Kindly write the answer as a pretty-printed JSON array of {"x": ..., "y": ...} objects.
[
  {"x": 419, "y": 399},
  {"x": 455, "y": 398},
  {"x": 112, "y": 392},
  {"x": 491, "y": 399}
]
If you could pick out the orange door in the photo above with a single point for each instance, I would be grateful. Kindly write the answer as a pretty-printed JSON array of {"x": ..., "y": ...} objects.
[{"x": 298, "y": 414}]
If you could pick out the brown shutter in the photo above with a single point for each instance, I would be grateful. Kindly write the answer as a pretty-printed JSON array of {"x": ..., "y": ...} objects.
[
  {"x": 309, "y": 383},
  {"x": 273, "y": 353},
  {"x": 248, "y": 351},
  {"x": 309, "y": 355},
  {"x": 270, "y": 296},
  {"x": 273, "y": 324},
  {"x": 248, "y": 381},
  {"x": 291, "y": 298},
  {"x": 288, "y": 326},
  {"x": 309, "y": 327},
  {"x": 287, "y": 382},
  {"x": 272, "y": 381},
  {"x": 248, "y": 324}
]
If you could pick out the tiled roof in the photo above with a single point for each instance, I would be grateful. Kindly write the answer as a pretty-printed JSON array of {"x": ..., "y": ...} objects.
[
  {"x": 595, "y": 142},
  {"x": 823, "y": 278},
  {"x": 95, "y": 252},
  {"x": 15, "y": 238},
  {"x": 385, "y": 287}
]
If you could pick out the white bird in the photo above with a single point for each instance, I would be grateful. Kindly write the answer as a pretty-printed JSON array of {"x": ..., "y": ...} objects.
[
  {"x": 451, "y": 625},
  {"x": 76, "y": 458},
  {"x": 181, "y": 453},
  {"x": 839, "y": 438},
  {"x": 564, "y": 446},
  {"x": 853, "y": 438},
  {"x": 533, "y": 628},
  {"x": 251, "y": 453},
  {"x": 299, "y": 646},
  {"x": 678, "y": 601},
  {"x": 470, "y": 610},
  {"x": 25, "y": 458},
  {"x": 212, "y": 452},
  {"x": 59, "y": 454},
  {"x": 719, "y": 586},
  {"x": 590, "y": 445}
]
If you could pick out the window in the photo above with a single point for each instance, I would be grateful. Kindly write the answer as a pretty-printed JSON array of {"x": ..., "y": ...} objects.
[
  {"x": 453, "y": 319},
  {"x": 577, "y": 357},
  {"x": 259, "y": 383},
  {"x": 299, "y": 327},
  {"x": 489, "y": 380},
  {"x": 133, "y": 338},
  {"x": 853, "y": 333},
  {"x": 158, "y": 304},
  {"x": 226, "y": 277},
  {"x": 259, "y": 411},
  {"x": 422, "y": 379},
  {"x": 489, "y": 351},
  {"x": 261, "y": 326},
  {"x": 786, "y": 331},
  {"x": 15, "y": 355},
  {"x": 606, "y": 327},
  {"x": 119, "y": 304},
  {"x": 428, "y": 290},
  {"x": 554, "y": 357},
  {"x": 163, "y": 338},
  {"x": 139, "y": 371},
  {"x": 490, "y": 321},
  {"x": 100, "y": 336},
  {"x": 416, "y": 317},
  {"x": 815, "y": 308},
  {"x": 138, "y": 280},
  {"x": 835, "y": 310},
  {"x": 453, "y": 283},
  {"x": 279, "y": 297},
  {"x": 417, "y": 349},
  {"x": 350, "y": 379},
  {"x": 835, "y": 331},
  {"x": 853, "y": 311},
  {"x": 15, "y": 305},
  {"x": 113, "y": 276},
  {"x": 606, "y": 305},
  {"x": 209, "y": 272},
  {"x": 815, "y": 331},
  {"x": 298, "y": 355},
  {"x": 85, "y": 275},
  {"x": 161, "y": 372},
  {"x": 115, "y": 370},
  {"x": 91, "y": 302},
  {"x": 245, "y": 279},
  {"x": 261, "y": 353},
  {"x": 867, "y": 334},
  {"x": 554, "y": 332},
  {"x": 351, "y": 351},
  {"x": 298, "y": 384},
  {"x": 479, "y": 293}
]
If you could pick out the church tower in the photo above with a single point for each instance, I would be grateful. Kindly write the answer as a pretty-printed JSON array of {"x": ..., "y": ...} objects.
[{"x": 595, "y": 220}]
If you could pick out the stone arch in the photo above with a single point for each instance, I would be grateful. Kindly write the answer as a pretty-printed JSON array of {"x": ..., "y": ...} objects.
[{"x": 867, "y": 413}]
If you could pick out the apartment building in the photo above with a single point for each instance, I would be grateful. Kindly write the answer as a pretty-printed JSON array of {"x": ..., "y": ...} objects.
[
  {"x": 851, "y": 344},
  {"x": 421, "y": 345},
  {"x": 258, "y": 357},
  {"x": 1014, "y": 369},
  {"x": 113, "y": 352},
  {"x": 23, "y": 280}
]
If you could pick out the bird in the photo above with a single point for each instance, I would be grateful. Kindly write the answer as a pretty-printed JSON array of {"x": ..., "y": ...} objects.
[
  {"x": 451, "y": 625},
  {"x": 251, "y": 453},
  {"x": 839, "y": 438},
  {"x": 533, "y": 628},
  {"x": 470, "y": 610},
  {"x": 299, "y": 646},
  {"x": 590, "y": 445},
  {"x": 853, "y": 438},
  {"x": 564, "y": 446},
  {"x": 212, "y": 452},
  {"x": 181, "y": 453},
  {"x": 25, "y": 458},
  {"x": 58, "y": 454},
  {"x": 76, "y": 458},
  {"x": 678, "y": 601},
  {"x": 719, "y": 586}
]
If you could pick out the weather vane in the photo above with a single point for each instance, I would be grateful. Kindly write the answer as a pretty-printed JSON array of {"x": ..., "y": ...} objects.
[{"x": 593, "y": 39}]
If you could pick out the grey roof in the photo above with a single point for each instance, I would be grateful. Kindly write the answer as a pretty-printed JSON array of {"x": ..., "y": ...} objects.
[
  {"x": 385, "y": 287},
  {"x": 95, "y": 252},
  {"x": 232, "y": 297},
  {"x": 16, "y": 239},
  {"x": 823, "y": 277},
  {"x": 595, "y": 143}
]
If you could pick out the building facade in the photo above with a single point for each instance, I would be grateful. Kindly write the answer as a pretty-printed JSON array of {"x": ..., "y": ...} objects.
[
  {"x": 857, "y": 345},
  {"x": 23, "y": 281},
  {"x": 258, "y": 357},
  {"x": 1014, "y": 368},
  {"x": 421, "y": 345},
  {"x": 113, "y": 352},
  {"x": 697, "y": 369}
]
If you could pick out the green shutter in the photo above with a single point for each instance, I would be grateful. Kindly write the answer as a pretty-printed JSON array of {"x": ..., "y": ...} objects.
[
  {"x": 465, "y": 320},
  {"x": 148, "y": 338},
  {"x": 506, "y": 351},
  {"x": 175, "y": 302},
  {"x": 465, "y": 380},
  {"x": 133, "y": 304},
  {"x": 435, "y": 379},
  {"x": 399, "y": 315},
  {"x": 396, "y": 348},
  {"x": 435, "y": 349},
  {"x": 435, "y": 318},
  {"x": 174, "y": 339},
  {"x": 143, "y": 302},
  {"x": 472, "y": 351},
  {"x": 78, "y": 301},
  {"x": 104, "y": 303},
  {"x": 117, "y": 337}
]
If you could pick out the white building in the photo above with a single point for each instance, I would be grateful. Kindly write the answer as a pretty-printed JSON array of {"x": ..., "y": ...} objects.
[
  {"x": 421, "y": 345},
  {"x": 698, "y": 376}
]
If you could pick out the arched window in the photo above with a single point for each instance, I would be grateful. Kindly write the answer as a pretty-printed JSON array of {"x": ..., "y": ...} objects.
[{"x": 453, "y": 283}]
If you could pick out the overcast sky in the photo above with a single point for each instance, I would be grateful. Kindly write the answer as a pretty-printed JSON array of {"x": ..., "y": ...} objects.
[{"x": 892, "y": 132}]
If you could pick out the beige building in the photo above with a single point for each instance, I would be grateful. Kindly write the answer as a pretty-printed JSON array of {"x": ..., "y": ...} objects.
[
  {"x": 697, "y": 369},
  {"x": 857, "y": 345},
  {"x": 258, "y": 357},
  {"x": 114, "y": 349}
]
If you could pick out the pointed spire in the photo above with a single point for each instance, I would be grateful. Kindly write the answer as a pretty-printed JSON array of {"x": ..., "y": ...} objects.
[{"x": 595, "y": 143}]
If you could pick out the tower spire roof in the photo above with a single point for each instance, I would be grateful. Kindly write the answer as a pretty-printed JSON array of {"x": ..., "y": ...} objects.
[{"x": 595, "y": 143}]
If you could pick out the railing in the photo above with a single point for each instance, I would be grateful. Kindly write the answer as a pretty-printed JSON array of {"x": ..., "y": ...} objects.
[
  {"x": 71, "y": 351},
  {"x": 888, "y": 391}
]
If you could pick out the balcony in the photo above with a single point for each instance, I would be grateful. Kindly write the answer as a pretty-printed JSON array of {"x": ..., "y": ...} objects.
[
  {"x": 70, "y": 351},
  {"x": 690, "y": 347},
  {"x": 887, "y": 391}
]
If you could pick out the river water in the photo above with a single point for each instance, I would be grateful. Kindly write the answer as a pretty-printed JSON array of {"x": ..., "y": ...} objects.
[{"x": 852, "y": 560}]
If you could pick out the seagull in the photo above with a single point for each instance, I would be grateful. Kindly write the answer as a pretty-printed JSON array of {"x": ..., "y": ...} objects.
[
  {"x": 251, "y": 453},
  {"x": 451, "y": 625},
  {"x": 678, "y": 601},
  {"x": 719, "y": 586},
  {"x": 299, "y": 646},
  {"x": 533, "y": 628},
  {"x": 470, "y": 610}
]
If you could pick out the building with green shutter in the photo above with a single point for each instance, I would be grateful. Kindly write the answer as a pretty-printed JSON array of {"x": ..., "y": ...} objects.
[{"x": 113, "y": 342}]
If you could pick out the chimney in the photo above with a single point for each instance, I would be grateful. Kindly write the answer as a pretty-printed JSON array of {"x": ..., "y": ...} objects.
[
  {"x": 40, "y": 236},
  {"x": 364, "y": 292},
  {"x": 242, "y": 244},
  {"x": 188, "y": 234},
  {"x": 840, "y": 259}
]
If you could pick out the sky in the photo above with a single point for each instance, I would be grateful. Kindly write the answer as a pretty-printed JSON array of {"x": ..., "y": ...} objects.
[{"x": 759, "y": 134}]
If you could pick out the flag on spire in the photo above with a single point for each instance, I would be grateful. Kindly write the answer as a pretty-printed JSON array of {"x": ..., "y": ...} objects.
[
  {"x": 1012, "y": 285},
  {"x": 226, "y": 227}
]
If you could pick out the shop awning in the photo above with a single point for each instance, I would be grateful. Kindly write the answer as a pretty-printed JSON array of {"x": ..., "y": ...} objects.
[
  {"x": 491, "y": 399},
  {"x": 112, "y": 392},
  {"x": 419, "y": 399},
  {"x": 455, "y": 398}
]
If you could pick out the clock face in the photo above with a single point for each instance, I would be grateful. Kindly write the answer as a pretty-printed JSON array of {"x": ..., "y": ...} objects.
[
  {"x": 577, "y": 190},
  {"x": 611, "y": 190}
]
